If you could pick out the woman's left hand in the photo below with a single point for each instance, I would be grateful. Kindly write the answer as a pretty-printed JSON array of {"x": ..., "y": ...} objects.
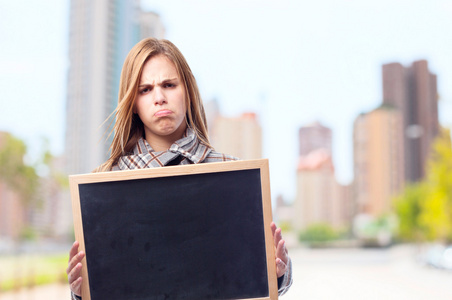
[{"x": 282, "y": 256}]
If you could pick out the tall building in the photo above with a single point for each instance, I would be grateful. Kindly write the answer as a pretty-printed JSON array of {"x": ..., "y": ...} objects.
[
  {"x": 101, "y": 34},
  {"x": 320, "y": 198},
  {"x": 378, "y": 159},
  {"x": 314, "y": 136},
  {"x": 413, "y": 90},
  {"x": 240, "y": 136}
]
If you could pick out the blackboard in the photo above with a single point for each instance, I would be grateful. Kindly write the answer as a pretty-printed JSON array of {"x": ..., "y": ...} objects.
[{"x": 182, "y": 232}]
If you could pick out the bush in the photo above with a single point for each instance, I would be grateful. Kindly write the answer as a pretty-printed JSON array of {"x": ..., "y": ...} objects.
[{"x": 318, "y": 233}]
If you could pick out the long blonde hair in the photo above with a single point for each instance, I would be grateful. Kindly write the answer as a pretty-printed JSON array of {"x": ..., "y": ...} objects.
[{"x": 128, "y": 128}]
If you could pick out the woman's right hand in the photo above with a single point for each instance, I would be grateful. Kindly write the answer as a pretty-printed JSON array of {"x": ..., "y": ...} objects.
[{"x": 74, "y": 269}]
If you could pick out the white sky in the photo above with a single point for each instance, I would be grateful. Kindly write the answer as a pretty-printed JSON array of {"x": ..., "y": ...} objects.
[{"x": 292, "y": 62}]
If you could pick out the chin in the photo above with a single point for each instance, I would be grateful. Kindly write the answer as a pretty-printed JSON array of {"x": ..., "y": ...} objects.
[{"x": 167, "y": 131}]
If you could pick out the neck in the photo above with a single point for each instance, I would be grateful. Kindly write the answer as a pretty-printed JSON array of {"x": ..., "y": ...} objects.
[{"x": 163, "y": 143}]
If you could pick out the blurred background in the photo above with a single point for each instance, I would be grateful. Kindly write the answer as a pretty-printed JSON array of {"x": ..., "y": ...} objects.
[{"x": 351, "y": 102}]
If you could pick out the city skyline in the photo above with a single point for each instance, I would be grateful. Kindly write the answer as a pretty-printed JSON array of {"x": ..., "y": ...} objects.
[{"x": 320, "y": 61}]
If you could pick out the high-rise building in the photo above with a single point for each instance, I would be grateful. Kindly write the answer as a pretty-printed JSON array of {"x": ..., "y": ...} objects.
[
  {"x": 314, "y": 136},
  {"x": 320, "y": 198},
  {"x": 413, "y": 90},
  {"x": 240, "y": 136},
  {"x": 101, "y": 34},
  {"x": 378, "y": 160}
]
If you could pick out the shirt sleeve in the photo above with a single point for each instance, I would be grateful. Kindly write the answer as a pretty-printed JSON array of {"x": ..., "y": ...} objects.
[
  {"x": 286, "y": 281},
  {"x": 75, "y": 297}
]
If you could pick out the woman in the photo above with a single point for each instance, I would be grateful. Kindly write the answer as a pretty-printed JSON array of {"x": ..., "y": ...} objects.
[{"x": 160, "y": 121}]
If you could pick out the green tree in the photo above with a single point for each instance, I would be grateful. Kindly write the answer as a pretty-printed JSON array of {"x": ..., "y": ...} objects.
[
  {"x": 436, "y": 210},
  {"x": 408, "y": 208},
  {"x": 424, "y": 209},
  {"x": 318, "y": 233},
  {"x": 14, "y": 172}
]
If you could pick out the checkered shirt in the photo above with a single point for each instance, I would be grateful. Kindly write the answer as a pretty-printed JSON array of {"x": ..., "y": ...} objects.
[{"x": 188, "y": 147}]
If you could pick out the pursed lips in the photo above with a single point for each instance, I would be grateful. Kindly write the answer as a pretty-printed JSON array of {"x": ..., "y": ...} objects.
[{"x": 163, "y": 113}]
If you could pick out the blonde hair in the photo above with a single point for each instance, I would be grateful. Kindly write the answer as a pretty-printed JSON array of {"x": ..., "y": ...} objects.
[{"x": 128, "y": 128}]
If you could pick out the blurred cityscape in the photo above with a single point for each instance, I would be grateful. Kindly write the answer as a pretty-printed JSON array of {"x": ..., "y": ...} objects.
[{"x": 402, "y": 162}]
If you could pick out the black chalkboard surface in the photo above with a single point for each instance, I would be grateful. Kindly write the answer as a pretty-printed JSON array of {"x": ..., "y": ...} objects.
[{"x": 183, "y": 232}]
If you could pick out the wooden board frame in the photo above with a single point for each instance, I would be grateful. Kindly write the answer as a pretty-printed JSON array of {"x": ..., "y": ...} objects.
[{"x": 174, "y": 171}]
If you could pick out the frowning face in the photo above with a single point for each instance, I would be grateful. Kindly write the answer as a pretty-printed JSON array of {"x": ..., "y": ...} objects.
[{"x": 160, "y": 102}]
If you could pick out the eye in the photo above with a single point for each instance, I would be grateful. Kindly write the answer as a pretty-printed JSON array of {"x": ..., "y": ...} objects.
[
  {"x": 169, "y": 85},
  {"x": 145, "y": 90}
]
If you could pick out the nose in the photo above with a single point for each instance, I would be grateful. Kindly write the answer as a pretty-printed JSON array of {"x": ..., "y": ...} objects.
[{"x": 159, "y": 96}]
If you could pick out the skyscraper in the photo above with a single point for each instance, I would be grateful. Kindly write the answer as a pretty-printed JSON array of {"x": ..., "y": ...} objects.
[
  {"x": 317, "y": 188},
  {"x": 320, "y": 198},
  {"x": 413, "y": 91},
  {"x": 101, "y": 34},
  {"x": 314, "y": 136},
  {"x": 378, "y": 159}
]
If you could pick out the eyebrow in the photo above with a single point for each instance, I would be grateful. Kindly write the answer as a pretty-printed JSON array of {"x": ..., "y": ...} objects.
[{"x": 163, "y": 82}]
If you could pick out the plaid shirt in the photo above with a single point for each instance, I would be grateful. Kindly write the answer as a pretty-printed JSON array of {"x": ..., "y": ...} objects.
[
  {"x": 286, "y": 280},
  {"x": 187, "y": 150}
]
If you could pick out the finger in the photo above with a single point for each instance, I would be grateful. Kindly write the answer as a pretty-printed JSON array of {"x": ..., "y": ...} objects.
[
  {"x": 281, "y": 267},
  {"x": 74, "y": 250},
  {"x": 281, "y": 252},
  {"x": 277, "y": 237},
  {"x": 273, "y": 227},
  {"x": 76, "y": 286},
  {"x": 74, "y": 274},
  {"x": 74, "y": 261}
]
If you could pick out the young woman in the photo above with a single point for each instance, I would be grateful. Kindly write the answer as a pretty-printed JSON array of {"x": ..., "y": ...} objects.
[{"x": 160, "y": 121}]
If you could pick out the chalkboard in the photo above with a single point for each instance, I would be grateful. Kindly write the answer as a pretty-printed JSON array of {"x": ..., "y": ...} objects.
[{"x": 181, "y": 232}]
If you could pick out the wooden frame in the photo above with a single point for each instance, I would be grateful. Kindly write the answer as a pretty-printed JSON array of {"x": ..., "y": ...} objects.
[{"x": 170, "y": 174}]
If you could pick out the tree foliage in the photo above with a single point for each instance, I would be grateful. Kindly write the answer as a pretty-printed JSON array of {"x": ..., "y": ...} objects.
[
  {"x": 425, "y": 208},
  {"x": 317, "y": 233},
  {"x": 14, "y": 172},
  {"x": 408, "y": 208}
]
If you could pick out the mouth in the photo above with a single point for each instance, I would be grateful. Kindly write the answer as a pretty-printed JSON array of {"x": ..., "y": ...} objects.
[{"x": 163, "y": 113}]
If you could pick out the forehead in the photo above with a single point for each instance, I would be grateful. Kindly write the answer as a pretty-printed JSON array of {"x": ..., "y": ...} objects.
[{"x": 159, "y": 68}]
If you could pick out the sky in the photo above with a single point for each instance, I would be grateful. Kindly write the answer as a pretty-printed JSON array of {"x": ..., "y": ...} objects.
[{"x": 291, "y": 62}]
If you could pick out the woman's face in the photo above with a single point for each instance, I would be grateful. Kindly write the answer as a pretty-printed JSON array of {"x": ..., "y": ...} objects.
[{"x": 160, "y": 102}]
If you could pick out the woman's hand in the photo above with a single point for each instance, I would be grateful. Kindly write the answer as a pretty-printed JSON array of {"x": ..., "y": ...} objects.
[
  {"x": 74, "y": 269},
  {"x": 282, "y": 256}
]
